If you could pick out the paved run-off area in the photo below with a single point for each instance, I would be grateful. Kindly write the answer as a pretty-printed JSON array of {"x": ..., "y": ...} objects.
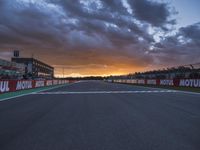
[{"x": 94, "y": 115}]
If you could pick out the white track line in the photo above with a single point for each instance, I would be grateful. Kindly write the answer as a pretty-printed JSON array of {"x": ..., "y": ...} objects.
[
  {"x": 187, "y": 92},
  {"x": 158, "y": 88},
  {"x": 103, "y": 92}
]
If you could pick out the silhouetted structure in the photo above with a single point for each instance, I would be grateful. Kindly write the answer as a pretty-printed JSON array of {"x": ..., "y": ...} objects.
[
  {"x": 11, "y": 70},
  {"x": 35, "y": 68},
  {"x": 186, "y": 71}
]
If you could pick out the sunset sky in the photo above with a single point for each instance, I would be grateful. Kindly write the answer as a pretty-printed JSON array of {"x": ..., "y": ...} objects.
[{"x": 102, "y": 37}]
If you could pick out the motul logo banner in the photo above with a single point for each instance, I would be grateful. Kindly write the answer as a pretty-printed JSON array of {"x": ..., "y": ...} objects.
[
  {"x": 21, "y": 85},
  {"x": 190, "y": 82},
  {"x": 49, "y": 82},
  {"x": 16, "y": 85},
  {"x": 39, "y": 84},
  {"x": 4, "y": 86},
  {"x": 141, "y": 81},
  {"x": 151, "y": 82},
  {"x": 166, "y": 82}
]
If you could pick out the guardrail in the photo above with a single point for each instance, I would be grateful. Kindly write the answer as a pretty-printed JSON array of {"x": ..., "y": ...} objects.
[
  {"x": 164, "y": 82},
  {"x": 17, "y": 85}
]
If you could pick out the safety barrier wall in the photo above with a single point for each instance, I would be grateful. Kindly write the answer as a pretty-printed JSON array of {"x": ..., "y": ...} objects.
[
  {"x": 17, "y": 85},
  {"x": 164, "y": 82}
]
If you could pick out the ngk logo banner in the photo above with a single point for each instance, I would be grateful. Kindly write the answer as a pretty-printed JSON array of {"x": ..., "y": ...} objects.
[
  {"x": 21, "y": 85},
  {"x": 4, "y": 86},
  {"x": 190, "y": 82}
]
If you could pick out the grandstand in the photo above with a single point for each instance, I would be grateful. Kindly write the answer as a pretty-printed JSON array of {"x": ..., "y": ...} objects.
[{"x": 11, "y": 70}]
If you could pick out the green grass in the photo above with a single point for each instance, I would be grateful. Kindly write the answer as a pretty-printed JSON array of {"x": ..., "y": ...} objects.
[{"x": 28, "y": 91}]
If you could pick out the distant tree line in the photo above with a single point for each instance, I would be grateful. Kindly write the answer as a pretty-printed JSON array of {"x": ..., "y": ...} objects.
[{"x": 185, "y": 71}]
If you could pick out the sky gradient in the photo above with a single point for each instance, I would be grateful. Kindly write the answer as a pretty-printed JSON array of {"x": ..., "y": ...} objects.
[{"x": 101, "y": 37}]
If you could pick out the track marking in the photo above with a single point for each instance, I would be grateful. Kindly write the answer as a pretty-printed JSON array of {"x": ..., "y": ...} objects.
[
  {"x": 158, "y": 88},
  {"x": 104, "y": 92},
  {"x": 188, "y": 92}
]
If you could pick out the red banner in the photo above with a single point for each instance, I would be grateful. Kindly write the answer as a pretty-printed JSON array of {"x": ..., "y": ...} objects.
[
  {"x": 166, "y": 82},
  {"x": 16, "y": 85}
]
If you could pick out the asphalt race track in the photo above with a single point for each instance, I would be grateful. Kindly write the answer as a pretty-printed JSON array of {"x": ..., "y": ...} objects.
[{"x": 94, "y": 115}]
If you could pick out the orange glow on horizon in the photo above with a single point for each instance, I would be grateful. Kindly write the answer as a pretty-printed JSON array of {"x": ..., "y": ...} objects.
[
  {"x": 85, "y": 72},
  {"x": 80, "y": 75}
]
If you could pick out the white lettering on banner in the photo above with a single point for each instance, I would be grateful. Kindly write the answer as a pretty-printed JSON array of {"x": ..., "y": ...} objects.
[
  {"x": 55, "y": 82},
  {"x": 190, "y": 82},
  {"x": 153, "y": 82},
  {"x": 166, "y": 82},
  {"x": 127, "y": 81},
  {"x": 49, "y": 82},
  {"x": 123, "y": 81},
  {"x": 4, "y": 86},
  {"x": 24, "y": 85},
  {"x": 141, "y": 81},
  {"x": 134, "y": 81},
  {"x": 39, "y": 84}
]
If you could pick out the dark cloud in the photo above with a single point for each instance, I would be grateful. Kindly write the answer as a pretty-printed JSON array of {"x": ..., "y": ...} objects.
[
  {"x": 152, "y": 12},
  {"x": 115, "y": 6},
  {"x": 108, "y": 20},
  {"x": 191, "y": 32},
  {"x": 74, "y": 32},
  {"x": 180, "y": 48}
]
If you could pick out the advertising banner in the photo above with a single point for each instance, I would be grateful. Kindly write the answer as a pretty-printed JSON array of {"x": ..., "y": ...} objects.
[
  {"x": 17, "y": 85},
  {"x": 195, "y": 83}
]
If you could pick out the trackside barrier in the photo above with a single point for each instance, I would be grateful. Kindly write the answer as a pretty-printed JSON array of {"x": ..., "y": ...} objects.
[
  {"x": 166, "y": 82},
  {"x": 17, "y": 85}
]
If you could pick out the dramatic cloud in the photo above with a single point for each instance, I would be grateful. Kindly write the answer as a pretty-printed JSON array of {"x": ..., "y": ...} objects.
[
  {"x": 192, "y": 33},
  {"x": 157, "y": 14},
  {"x": 180, "y": 48},
  {"x": 106, "y": 37}
]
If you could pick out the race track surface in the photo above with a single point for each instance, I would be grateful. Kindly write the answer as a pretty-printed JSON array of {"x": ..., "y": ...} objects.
[{"x": 94, "y": 115}]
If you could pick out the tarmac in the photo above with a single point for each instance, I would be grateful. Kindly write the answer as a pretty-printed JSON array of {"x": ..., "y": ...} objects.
[{"x": 95, "y": 115}]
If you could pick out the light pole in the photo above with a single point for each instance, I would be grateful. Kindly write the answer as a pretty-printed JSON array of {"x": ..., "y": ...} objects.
[{"x": 63, "y": 71}]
